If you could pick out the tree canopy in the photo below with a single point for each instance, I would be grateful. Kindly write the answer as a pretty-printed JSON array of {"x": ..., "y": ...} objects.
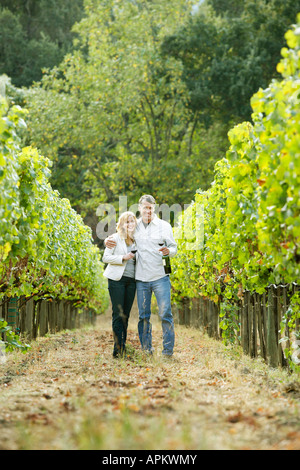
[
  {"x": 115, "y": 113},
  {"x": 144, "y": 101},
  {"x": 229, "y": 51},
  {"x": 35, "y": 35}
]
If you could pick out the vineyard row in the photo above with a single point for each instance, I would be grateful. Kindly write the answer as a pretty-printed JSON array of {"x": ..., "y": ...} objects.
[
  {"x": 32, "y": 318},
  {"x": 261, "y": 326}
]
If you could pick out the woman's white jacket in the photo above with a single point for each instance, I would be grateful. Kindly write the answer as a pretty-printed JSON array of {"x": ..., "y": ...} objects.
[{"x": 114, "y": 258}]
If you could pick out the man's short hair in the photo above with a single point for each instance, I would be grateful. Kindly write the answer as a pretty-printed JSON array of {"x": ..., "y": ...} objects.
[{"x": 147, "y": 198}]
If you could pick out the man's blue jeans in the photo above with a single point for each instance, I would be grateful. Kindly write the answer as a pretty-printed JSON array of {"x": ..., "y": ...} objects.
[{"x": 162, "y": 291}]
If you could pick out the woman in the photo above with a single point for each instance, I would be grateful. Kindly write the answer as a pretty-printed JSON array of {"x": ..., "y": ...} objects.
[{"x": 121, "y": 278}]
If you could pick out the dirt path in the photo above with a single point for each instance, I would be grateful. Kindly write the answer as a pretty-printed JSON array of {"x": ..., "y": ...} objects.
[{"x": 69, "y": 393}]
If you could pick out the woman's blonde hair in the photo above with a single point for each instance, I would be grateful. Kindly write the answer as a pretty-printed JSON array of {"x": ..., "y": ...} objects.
[{"x": 121, "y": 229}]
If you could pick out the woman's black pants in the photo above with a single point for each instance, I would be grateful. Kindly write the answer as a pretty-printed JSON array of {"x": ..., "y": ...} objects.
[{"x": 122, "y": 295}]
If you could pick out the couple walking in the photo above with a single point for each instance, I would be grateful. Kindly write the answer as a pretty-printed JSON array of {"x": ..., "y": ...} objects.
[{"x": 142, "y": 273}]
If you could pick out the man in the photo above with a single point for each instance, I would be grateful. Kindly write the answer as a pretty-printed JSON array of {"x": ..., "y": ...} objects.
[{"x": 150, "y": 234}]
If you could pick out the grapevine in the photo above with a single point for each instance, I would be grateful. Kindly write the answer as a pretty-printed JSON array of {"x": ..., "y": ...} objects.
[
  {"x": 45, "y": 248},
  {"x": 251, "y": 212}
]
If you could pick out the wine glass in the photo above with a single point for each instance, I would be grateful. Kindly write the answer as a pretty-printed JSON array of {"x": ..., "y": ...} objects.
[
  {"x": 134, "y": 248},
  {"x": 161, "y": 244}
]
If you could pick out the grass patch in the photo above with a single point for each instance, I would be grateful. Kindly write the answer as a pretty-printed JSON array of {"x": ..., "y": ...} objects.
[{"x": 69, "y": 392}]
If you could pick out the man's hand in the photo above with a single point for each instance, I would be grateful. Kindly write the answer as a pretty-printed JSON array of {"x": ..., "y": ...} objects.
[
  {"x": 110, "y": 242},
  {"x": 165, "y": 251}
]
